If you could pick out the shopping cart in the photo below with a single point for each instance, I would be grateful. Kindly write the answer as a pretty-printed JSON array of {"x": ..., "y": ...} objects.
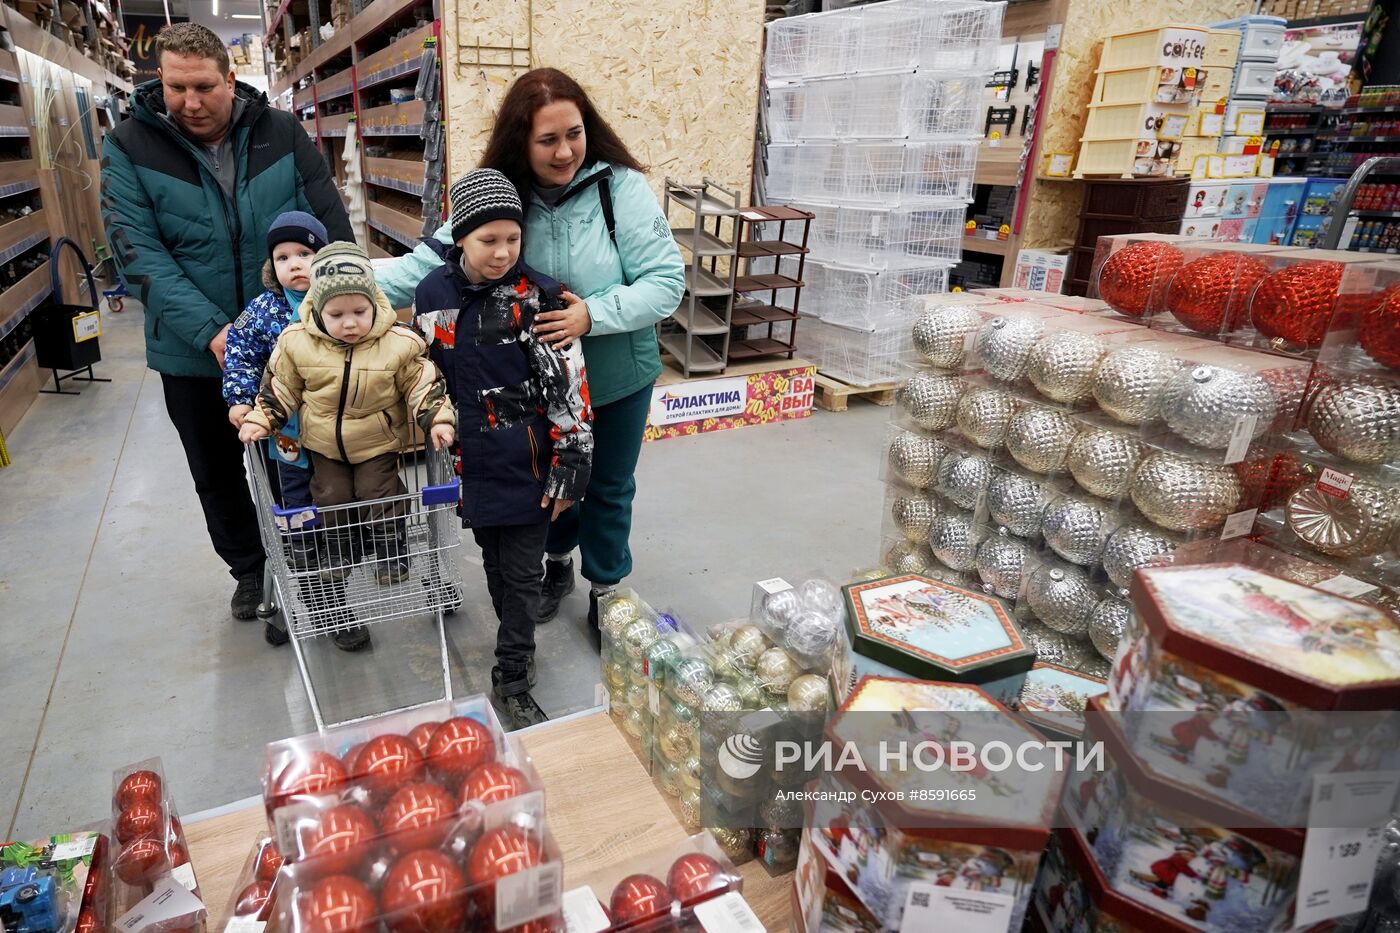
[{"x": 336, "y": 568}]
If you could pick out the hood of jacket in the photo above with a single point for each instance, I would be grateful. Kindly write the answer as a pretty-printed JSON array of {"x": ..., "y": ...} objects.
[
  {"x": 148, "y": 104},
  {"x": 384, "y": 318}
]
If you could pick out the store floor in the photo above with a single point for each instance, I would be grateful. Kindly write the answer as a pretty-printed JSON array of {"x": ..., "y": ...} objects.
[{"x": 118, "y": 644}]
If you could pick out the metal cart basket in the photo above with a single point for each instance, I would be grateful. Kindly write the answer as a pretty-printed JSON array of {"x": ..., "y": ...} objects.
[{"x": 332, "y": 569}]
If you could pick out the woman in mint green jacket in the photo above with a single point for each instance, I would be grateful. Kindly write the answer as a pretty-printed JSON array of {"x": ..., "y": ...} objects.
[{"x": 594, "y": 224}]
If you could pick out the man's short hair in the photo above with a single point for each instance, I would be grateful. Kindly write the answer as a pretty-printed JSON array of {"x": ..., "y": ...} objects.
[{"x": 192, "y": 39}]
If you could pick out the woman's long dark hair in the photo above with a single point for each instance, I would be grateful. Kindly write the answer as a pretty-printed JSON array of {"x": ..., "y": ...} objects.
[{"x": 507, "y": 150}]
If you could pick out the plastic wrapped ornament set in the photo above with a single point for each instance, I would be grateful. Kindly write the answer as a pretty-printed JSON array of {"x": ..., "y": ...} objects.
[{"x": 662, "y": 676}]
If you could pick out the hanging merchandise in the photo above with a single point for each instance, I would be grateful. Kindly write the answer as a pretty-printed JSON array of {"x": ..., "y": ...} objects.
[{"x": 355, "y": 185}]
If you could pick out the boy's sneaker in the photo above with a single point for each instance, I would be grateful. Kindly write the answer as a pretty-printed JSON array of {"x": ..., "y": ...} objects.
[
  {"x": 247, "y": 595},
  {"x": 558, "y": 583},
  {"x": 516, "y": 707},
  {"x": 351, "y": 639},
  {"x": 303, "y": 551},
  {"x": 391, "y": 571}
]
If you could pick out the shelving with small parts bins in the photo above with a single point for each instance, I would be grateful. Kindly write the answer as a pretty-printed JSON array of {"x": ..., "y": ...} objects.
[{"x": 371, "y": 71}]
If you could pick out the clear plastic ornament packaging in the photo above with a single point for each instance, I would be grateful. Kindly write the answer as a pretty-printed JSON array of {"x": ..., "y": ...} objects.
[
  {"x": 1304, "y": 294},
  {"x": 257, "y": 885},
  {"x": 1206, "y": 294},
  {"x": 147, "y": 847},
  {"x": 1131, "y": 272},
  {"x": 493, "y": 868},
  {"x": 1368, "y": 340}
]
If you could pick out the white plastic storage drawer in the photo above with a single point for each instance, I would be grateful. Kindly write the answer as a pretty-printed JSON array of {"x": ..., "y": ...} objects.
[
  {"x": 1244, "y": 118},
  {"x": 1206, "y": 199},
  {"x": 1261, "y": 42},
  {"x": 1254, "y": 79}
]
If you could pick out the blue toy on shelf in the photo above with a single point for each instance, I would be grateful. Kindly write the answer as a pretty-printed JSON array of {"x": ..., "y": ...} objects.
[{"x": 28, "y": 901}]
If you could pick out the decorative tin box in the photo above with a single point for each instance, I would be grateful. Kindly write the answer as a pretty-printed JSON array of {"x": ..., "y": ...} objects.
[
  {"x": 976, "y": 828},
  {"x": 1228, "y": 664},
  {"x": 1053, "y": 699},
  {"x": 912, "y": 626}
]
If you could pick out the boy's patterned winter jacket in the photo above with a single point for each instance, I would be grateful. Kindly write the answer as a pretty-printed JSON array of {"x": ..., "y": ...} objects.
[
  {"x": 251, "y": 339},
  {"x": 505, "y": 384}
]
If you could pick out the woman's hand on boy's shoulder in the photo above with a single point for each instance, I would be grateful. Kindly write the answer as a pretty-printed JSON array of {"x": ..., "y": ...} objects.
[{"x": 562, "y": 327}]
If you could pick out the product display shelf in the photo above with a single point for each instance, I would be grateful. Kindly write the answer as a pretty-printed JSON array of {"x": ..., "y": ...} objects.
[
  {"x": 706, "y": 228},
  {"x": 767, "y": 336}
]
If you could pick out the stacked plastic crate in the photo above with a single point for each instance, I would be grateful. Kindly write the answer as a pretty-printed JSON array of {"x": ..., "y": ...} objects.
[{"x": 873, "y": 116}]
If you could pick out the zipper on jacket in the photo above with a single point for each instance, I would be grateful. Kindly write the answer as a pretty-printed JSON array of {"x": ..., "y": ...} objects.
[
  {"x": 340, "y": 411},
  {"x": 534, "y": 451}
]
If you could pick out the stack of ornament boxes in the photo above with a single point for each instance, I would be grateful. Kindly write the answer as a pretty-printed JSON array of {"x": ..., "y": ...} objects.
[
  {"x": 1147, "y": 85},
  {"x": 873, "y": 114},
  {"x": 1223, "y": 703}
]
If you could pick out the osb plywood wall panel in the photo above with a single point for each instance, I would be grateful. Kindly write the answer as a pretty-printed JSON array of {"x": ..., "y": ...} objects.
[
  {"x": 1053, "y": 213},
  {"x": 678, "y": 81}
]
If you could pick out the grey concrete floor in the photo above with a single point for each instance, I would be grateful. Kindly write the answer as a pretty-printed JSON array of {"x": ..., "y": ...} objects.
[{"x": 118, "y": 644}]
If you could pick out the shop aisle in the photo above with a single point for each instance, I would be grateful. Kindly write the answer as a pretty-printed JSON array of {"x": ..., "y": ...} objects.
[{"x": 116, "y": 628}]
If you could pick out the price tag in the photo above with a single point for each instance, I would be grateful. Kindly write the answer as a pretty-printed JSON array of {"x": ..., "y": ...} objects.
[
  {"x": 1335, "y": 483},
  {"x": 75, "y": 849},
  {"x": 166, "y": 905},
  {"x": 600, "y": 696},
  {"x": 1060, "y": 165},
  {"x": 653, "y": 699},
  {"x": 1339, "y": 861},
  {"x": 185, "y": 875},
  {"x": 930, "y": 908},
  {"x": 1052, "y": 36},
  {"x": 1240, "y": 523},
  {"x": 1212, "y": 124},
  {"x": 728, "y": 913},
  {"x": 775, "y": 585},
  {"x": 87, "y": 327},
  {"x": 526, "y": 895},
  {"x": 1172, "y": 127},
  {"x": 1249, "y": 123},
  {"x": 1344, "y": 585},
  {"x": 583, "y": 913},
  {"x": 244, "y": 925},
  {"x": 1240, "y": 436},
  {"x": 994, "y": 140}
]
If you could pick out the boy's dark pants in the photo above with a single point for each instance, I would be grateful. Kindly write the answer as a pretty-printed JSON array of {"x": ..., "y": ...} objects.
[
  {"x": 511, "y": 556},
  {"x": 335, "y": 482}
]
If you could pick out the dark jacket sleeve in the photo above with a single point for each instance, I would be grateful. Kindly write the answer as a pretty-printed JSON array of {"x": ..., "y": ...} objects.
[
  {"x": 317, "y": 188},
  {"x": 143, "y": 260}
]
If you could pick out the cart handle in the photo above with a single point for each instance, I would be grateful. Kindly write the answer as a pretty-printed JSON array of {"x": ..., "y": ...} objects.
[
  {"x": 447, "y": 488},
  {"x": 56, "y": 283}
]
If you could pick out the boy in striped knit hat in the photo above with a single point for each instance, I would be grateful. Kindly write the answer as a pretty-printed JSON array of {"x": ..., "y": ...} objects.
[{"x": 525, "y": 427}]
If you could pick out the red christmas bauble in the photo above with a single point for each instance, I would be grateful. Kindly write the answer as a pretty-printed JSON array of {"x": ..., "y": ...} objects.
[
  {"x": 424, "y": 892},
  {"x": 1296, "y": 303},
  {"x": 174, "y": 832},
  {"x": 312, "y": 773},
  {"x": 139, "y": 820},
  {"x": 422, "y": 734},
  {"x": 502, "y": 852},
  {"x": 252, "y": 899},
  {"x": 142, "y": 861},
  {"x": 694, "y": 877},
  {"x": 339, "y": 904},
  {"x": 1378, "y": 331},
  {"x": 386, "y": 763},
  {"x": 1130, "y": 276},
  {"x": 458, "y": 746},
  {"x": 1268, "y": 481},
  {"x": 639, "y": 897},
  {"x": 179, "y": 855},
  {"x": 138, "y": 787},
  {"x": 350, "y": 754},
  {"x": 493, "y": 782},
  {"x": 417, "y": 816},
  {"x": 269, "y": 862},
  {"x": 88, "y": 922},
  {"x": 1210, "y": 295},
  {"x": 341, "y": 841}
]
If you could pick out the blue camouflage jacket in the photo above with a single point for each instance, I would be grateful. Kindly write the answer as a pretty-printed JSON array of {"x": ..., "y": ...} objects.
[{"x": 250, "y": 342}]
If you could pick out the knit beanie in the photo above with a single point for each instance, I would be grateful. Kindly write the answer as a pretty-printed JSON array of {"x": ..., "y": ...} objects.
[
  {"x": 296, "y": 227},
  {"x": 481, "y": 196},
  {"x": 341, "y": 269}
]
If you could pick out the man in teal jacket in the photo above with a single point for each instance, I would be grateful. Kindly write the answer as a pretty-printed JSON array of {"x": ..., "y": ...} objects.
[{"x": 190, "y": 185}]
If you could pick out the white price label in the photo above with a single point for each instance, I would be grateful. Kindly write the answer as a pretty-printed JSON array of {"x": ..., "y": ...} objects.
[
  {"x": 653, "y": 699},
  {"x": 185, "y": 875},
  {"x": 1240, "y": 436},
  {"x": 775, "y": 585},
  {"x": 1335, "y": 483},
  {"x": 1344, "y": 585},
  {"x": 930, "y": 908},
  {"x": 286, "y": 822},
  {"x": 244, "y": 925},
  {"x": 1339, "y": 861},
  {"x": 728, "y": 913},
  {"x": 75, "y": 849},
  {"x": 87, "y": 326},
  {"x": 1052, "y": 36},
  {"x": 752, "y": 215},
  {"x": 526, "y": 895},
  {"x": 600, "y": 696},
  {"x": 583, "y": 913},
  {"x": 169, "y": 904},
  {"x": 1240, "y": 523}
]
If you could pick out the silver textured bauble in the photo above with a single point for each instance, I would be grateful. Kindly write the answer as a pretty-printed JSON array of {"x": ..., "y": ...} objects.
[
  {"x": 1062, "y": 598},
  {"x": 908, "y": 557},
  {"x": 1357, "y": 526},
  {"x": 1102, "y": 461},
  {"x": 615, "y": 616},
  {"x": 778, "y": 608},
  {"x": 1004, "y": 346},
  {"x": 1358, "y": 420},
  {"x": 954, "y": 540},
  {"x": 1053, "y": 647},
  {"x": 1061, "y": 365},
  {"x": 931, "y": 399},
  {"x": 913, "y": 457},
  {"x": 690, "y": 680},
  {"x": 638, "y": 636},
  {"x": 984, "y": 415},
  {"x": 1132, "y": 547},
  {"x": 1129, "y": 383},
  {"x": 940, "y": 334},
  {"x": 1000, "y": 559},
  {"x": 1076, "y": 529},
  {"x": 1039, "y": 439},
  {"x": 914, "y": 515},
  {"x": 1017, "y": 503},
  {"x": 1184, "y": 494},
  {"x": 963, "y": 478},
  {"x": 809, "y": 637},
  {"x": 1201, "y": 404},
  {"x": 821, "y": 596},
  {"x": 1092, "y": 665},
  {"x": 1107, "y": 623}
]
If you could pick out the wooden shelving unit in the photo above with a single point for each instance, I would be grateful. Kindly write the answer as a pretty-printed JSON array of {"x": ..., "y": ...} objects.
[
  {"x": 362, "y": 74},
  {"x": 774, "y": 320}
]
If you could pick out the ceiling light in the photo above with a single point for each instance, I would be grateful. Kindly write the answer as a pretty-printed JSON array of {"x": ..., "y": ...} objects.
[
  {"x": 216, "y": 7},
  {"x": 245, "y": 16}
]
